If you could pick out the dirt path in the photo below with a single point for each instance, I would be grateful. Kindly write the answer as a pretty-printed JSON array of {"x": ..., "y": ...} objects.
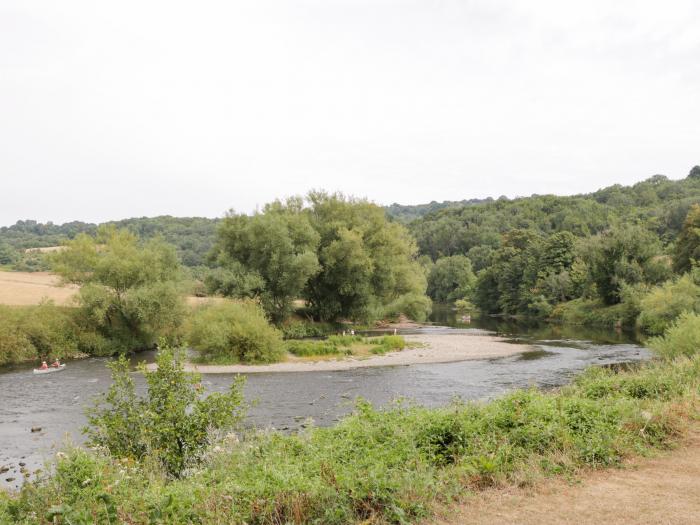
[{"x": 662, "y": 490}]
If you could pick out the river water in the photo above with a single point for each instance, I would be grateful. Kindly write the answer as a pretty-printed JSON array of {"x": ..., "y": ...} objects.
[{"x": 55, "y": 402}]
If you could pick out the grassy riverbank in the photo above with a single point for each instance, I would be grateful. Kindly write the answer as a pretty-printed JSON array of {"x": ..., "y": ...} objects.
[{"x": 381, "y": 466}]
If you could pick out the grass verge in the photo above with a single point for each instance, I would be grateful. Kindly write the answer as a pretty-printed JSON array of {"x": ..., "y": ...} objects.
[{"x": 346, "y": 345}]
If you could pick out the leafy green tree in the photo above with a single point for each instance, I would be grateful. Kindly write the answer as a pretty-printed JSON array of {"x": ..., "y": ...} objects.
[
  {"x": 481, "y": 256},
  {"x": 688, "y": 244},
  {"x": 173, "y": 424},
  {"x": 486, "y": 296},
  {"x": 451, "y": 278},
  {"x": 664, "y": 303},
  {"x": 130, "y": 292},
  {"x": 624, "y": 255},
  {"x": 341, "y": 255},
  {"x": 368, "y": 264},
  {"x": 235, "y": 332},
  {"x": 270, "y": 254},
  {"x": 8, "y": 255}
]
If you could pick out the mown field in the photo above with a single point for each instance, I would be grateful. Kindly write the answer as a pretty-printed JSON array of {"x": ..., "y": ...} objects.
[{"x": 30, "y": 288}]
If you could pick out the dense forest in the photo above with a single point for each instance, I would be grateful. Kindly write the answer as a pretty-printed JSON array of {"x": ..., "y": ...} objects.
[
  {"x": 192, "y": 237},
  {"x": 620, "y": 256},
  {"x": 597, "y": 255},
  {"x": 585, "y": 258}
]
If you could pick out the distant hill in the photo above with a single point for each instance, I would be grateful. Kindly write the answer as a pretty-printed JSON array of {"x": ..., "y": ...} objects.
[
  {"x": 407, "y": 213},
  {"x": 192, "y": 236},
  {"x": 440, "y": 228},
  {"x": 657, "y": 203}
]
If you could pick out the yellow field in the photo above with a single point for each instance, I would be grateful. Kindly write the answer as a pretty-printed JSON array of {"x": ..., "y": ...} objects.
[{"x": 27, "y": 288}]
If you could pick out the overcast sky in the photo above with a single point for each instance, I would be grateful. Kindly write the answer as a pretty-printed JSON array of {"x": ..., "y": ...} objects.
[{"x": 118, "y": 109}]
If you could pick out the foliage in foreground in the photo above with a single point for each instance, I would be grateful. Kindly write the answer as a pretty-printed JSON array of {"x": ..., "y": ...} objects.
[
  {"x": 682, "y": 338},
  {"x": 381, "y": 466},
  {"x": 234, "y": 332},
  {"x": 172, "y": 425}
]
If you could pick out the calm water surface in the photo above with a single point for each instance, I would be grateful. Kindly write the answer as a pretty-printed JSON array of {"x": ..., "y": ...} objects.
[{"x": 55, "y": 402}]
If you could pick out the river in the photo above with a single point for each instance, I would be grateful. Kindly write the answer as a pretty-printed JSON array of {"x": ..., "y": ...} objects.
[{"x": 55, "y": 402}]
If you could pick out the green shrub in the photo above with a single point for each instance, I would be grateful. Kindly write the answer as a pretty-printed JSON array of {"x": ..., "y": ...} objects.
[
  {"x": 463, "y": 306},
  {"x": 172, "y": 424},
  {"x": 311, "y": 348},
  {"x": 413, "y": 305},
  {"x": 587, "y": 312},
  {"x": 46, "y": 331},
  {"x": 666, "y": 302},
  {"x": 344, "y": 340},
  {"x": 235, "y": 332},
  {"x": 387, "y": 343},
  {"x": 302, "y": 329},
  {"x": 682, "y": 338}
]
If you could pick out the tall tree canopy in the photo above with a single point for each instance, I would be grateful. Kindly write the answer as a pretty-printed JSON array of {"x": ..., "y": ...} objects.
[
  {"x": 688, "y": 244},
  {"x": 129, "y": 293},
  {"x": 624, "y": 255},
  {"x": 340, "y": 254},
  {"x": 273, "y": 251},
  {"x": 367, "y": 262},
  {"x": 451, "y": 278}
]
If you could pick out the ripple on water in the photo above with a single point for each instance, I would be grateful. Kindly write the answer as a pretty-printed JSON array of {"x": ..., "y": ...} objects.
[{"x": 286, "y": 400}]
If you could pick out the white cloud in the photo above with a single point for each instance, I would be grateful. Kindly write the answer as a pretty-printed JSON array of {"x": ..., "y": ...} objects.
[{"x": 143, "y": 108}]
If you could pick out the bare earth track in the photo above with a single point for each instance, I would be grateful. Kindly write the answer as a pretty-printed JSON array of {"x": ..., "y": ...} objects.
[{"x": 662, "y": 490}]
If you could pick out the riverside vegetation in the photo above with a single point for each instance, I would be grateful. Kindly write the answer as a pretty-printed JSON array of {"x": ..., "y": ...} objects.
[
  {"x": 172, "y": 456},
  {"x": 392, "y": 465},
  {"x": 621, "y": 257}
]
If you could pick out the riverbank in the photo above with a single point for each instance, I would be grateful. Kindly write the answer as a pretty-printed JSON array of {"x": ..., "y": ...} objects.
[
  {"x": 426, "y": 348},
  {"x": 663, "y": 489},
  {"x": 393, "y": 465}
]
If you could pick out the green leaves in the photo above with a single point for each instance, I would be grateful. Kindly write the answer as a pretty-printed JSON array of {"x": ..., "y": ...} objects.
[
  {"x": 234, "y": 332},
  {"x": 271, "y": 254},
  {"x": 130, "y": 292},
  {"x": 687, "y": 249},
  {"x": 172, "y": 424},
  {"x": 339, "y": 254},
  {"x": 451, "y": 278}
]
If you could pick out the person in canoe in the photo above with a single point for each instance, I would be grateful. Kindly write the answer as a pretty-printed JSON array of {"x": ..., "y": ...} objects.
[
  {"x": 56, "y": 363},
  {"x": 44, "y": 366}
]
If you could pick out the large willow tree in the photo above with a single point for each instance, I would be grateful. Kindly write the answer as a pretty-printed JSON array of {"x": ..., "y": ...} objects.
[{"x": 341, "y": 255}]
